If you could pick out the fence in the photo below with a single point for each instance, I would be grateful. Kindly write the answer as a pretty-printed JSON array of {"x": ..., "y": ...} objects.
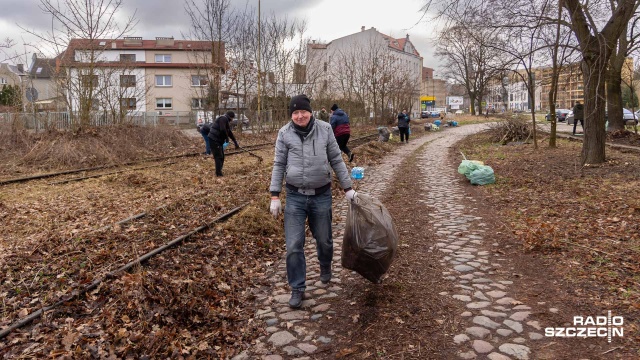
[{"x": 65, "y": 121}]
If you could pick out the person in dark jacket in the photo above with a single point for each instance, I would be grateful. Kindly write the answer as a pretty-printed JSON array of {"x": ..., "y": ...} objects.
[
  {"x": 403, "y": 126},
  {"x": 341, "y": 129},
  {"x": 306, "y": 151},
  {"x": 203, "y": 129},
  {"x": 219, "y": 134},
  {"x": 323, "y": 115},
  {"x": 578, "y": 114}
]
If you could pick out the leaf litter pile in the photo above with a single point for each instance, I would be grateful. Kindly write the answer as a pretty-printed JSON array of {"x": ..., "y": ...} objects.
[
  {"x": 195, "y": 300},
  {"x": 582, "y": 222}
]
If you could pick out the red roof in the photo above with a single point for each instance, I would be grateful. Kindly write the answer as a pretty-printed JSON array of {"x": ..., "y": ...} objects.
[
  {"x": 399, "y": 44},
  {"x": 139, "y": 44}
]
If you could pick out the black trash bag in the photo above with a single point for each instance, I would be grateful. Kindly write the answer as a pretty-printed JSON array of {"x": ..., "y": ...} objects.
[
  {"x": 383, "y": 134},
  {"x": 370, "y": 240}
]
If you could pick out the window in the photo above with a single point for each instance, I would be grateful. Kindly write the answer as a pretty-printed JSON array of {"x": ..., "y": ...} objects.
[
  {"x": 38, "y": 70},
  {"x": 197, "y": 103},
  {"x": 127, "y": 80},
  {"x": 163, "y": 103},
  {"x": 3, "y": 80},
  {"x": 325, "y": 66},
  {"x": 163, "y": 80},
  {"x": 163, "y": 58},
  {"x": 127, "y": 57},
  {"x": 128, "y": 103},
  {"x": 90, "y": 80},
  {"x": 199, "y": 80}
]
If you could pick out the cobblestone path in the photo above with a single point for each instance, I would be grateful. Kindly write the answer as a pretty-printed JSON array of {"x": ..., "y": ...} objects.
[{"x": 499, "y": 327}]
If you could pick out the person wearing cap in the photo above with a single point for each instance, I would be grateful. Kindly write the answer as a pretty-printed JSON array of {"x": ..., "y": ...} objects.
[
  {"x": 220, "y": 133},
  {"x": 305, "y": 152},
  {"x": 341, "y": 129}
]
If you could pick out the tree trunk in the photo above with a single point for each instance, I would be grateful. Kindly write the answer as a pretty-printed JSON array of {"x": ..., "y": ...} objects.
[
  {"x": 593, "y": 149},
  {"x": 472, "y": 106},
  {"x": 614, "y": 100}
]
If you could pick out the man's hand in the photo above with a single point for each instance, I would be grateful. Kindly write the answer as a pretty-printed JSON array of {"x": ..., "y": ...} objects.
[
  {"x": 350, "y": 195},
  {"x": 276, "y": 207}
]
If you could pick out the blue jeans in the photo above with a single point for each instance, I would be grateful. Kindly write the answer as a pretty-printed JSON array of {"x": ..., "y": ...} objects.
[
  {"x": 316, "y": 208},
  {"x": 206, "y": 142}
]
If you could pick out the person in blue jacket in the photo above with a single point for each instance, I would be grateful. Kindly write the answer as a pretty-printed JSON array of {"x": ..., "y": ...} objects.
[{"x": 341, "y": 130}]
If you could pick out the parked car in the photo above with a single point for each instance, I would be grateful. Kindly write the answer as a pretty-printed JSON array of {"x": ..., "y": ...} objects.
[
  {"x": 628, "y": 115},
  {"x": 424, "y": 114},
  {"x": 238, "y": 118},
  {"x": 561, "y": 115},
  {"x": 458, "y": 112}
]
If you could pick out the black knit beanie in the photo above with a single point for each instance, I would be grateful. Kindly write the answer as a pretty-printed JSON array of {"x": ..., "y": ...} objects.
[
  {"x": 299, "y": 102},
  {"x": 334, "y": 107},
  {"x": 230, "y": 114}
]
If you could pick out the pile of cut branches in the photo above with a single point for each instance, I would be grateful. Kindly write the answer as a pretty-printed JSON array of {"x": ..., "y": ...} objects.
[{"x": 510, "y": 130}]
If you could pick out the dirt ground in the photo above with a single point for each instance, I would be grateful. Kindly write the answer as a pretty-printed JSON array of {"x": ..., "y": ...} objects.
[{"x": 573, "y": 234}]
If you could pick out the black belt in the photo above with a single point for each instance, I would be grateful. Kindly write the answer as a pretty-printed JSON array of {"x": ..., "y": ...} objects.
[{"x": 316, "y": 191}]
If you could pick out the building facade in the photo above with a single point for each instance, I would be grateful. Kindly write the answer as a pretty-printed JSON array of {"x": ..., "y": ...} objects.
[
  {"x": 135, "y": 75},
  {"x": 378, "y": 70}
]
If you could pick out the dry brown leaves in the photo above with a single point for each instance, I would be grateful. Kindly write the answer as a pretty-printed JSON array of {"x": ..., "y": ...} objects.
[
  {"x": 195, "y": 300},
  {"x": 584, "y": 218}
]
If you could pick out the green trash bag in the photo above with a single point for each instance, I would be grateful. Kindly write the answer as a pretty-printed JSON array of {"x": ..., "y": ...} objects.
[
  {"x": 483, "y": 175},
  {"x": 467, "y": 166}
]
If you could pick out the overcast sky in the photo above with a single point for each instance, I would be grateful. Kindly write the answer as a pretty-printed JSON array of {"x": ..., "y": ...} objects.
[{"x": 326, "y": 19}]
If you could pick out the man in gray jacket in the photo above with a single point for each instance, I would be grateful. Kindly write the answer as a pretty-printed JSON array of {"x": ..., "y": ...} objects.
[{"x": 306, "y": 151}]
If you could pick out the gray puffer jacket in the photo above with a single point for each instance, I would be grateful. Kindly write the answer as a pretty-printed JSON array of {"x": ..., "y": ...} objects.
[{"x": 307, "y": 163}]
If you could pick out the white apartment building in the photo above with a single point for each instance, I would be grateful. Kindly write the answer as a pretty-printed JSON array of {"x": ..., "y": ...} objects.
[
  {"x": 163, "y": 75},
  {"x": 341, "y": 66}
]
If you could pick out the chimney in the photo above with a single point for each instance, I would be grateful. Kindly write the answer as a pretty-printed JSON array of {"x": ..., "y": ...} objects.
[
  {"x": 407, "y": 37},
  {"x": 164, "y": 41},
  {"x": 362, "y": 28},
  {"x": 20, "y": 67},
  {"x": 313, "y": 41},
  {"x": 132, "y": 41}
]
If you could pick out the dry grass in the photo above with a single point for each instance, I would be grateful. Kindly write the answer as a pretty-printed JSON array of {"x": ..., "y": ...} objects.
[{"x": 23, "y": 152}]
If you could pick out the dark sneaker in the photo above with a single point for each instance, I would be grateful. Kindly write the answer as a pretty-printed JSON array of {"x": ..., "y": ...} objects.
[
  {"x": 325, "y": 274},
  {"x": 351, "y": 157},
  {"x": 296, "y": 298}
]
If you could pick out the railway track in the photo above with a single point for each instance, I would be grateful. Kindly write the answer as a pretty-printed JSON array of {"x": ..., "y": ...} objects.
[
  {"x": 101, "y": 256},
  {"x": 124, "y": 166}
]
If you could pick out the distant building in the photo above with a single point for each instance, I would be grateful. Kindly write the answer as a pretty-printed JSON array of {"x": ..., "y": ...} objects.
[
  {"x": 132, "y": 74},
  {"x": 340, "y": 68},
  {"x": 13, "y": 75},
  {"x": 43, "y": 78},
  {"x": 510, "y": 92}
]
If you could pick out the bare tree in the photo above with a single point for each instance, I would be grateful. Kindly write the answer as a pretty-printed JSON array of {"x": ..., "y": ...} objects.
[
  {"x": 87, "y": 22},
  {"x": 627, "y": 44},
  {"x": 597, "y": 41},
  {"x": 213, "y": 21},
  {"x": 469, "y": 59}
]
